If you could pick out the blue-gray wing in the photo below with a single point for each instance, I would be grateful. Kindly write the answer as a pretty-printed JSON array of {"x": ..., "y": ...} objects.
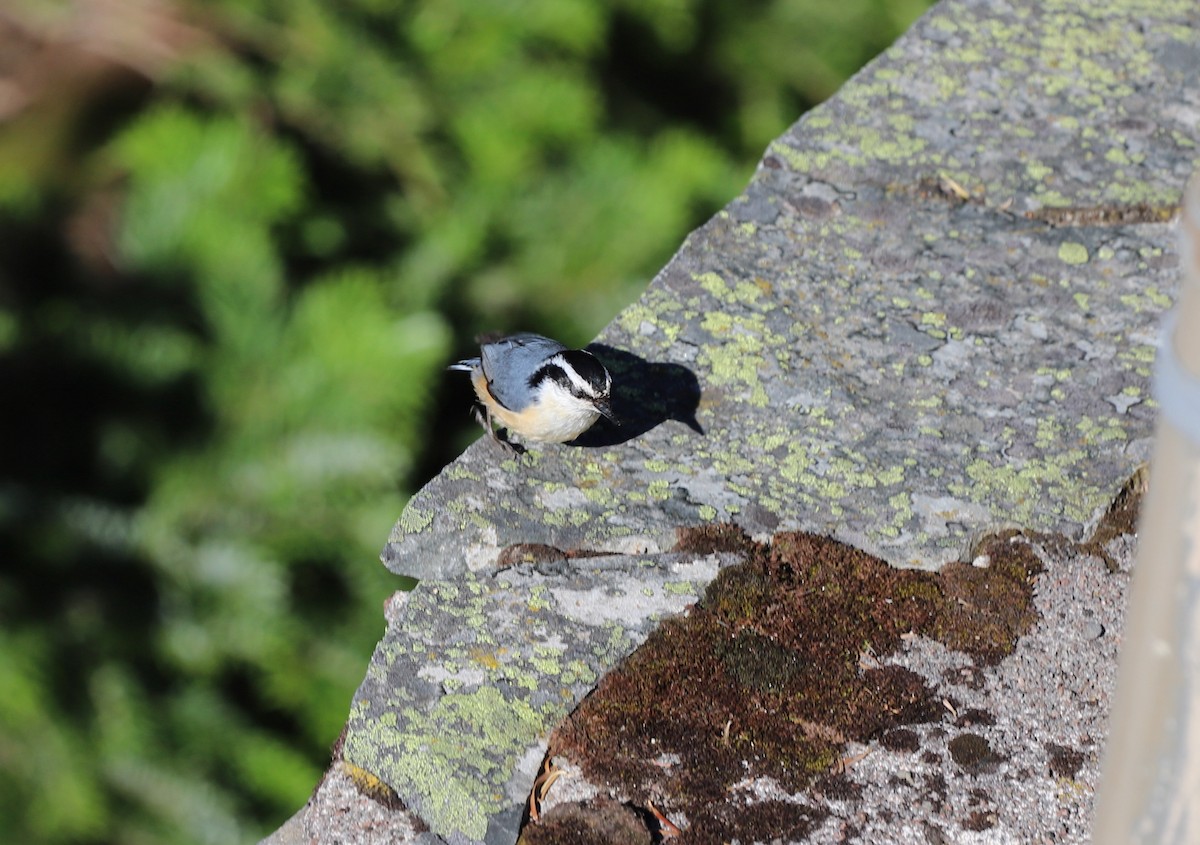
[{"x": 510, "y": 361}]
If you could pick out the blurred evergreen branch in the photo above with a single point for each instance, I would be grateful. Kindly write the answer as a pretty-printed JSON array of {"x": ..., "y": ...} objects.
[{"x": 238, "y": 241}]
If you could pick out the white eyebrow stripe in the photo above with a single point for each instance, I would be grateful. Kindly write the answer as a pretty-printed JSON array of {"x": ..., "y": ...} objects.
[{"x": 576, "y": 380}]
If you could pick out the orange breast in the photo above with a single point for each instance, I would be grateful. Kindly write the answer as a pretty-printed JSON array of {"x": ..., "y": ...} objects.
[{"x": 550, "y": 423}]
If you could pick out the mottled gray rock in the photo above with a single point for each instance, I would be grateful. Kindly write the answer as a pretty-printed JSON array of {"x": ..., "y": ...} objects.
[
  {"x": 339, "y": 813},
  {"x": 473, "y": 673},
  {"x": 932, "y": 313}
]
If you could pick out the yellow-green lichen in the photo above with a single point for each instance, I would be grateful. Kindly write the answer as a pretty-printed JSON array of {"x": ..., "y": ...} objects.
[
  {"x": 546, "y": 660},
  {"x": 432, "y": 748},
  {"x": 1160, "y": 299},
  {"x": 1026, "y": 486},
  {"x": 539, "y": 598},
  {"x": 1049, "y": 433},
  {"x": 1070, "y": 252},
  {"x": 1103, "y": 431},
  {"x": 659, "y": 489},
  {"x": 414, "y": 520},
  {"x": 739, "y": 347},
  {"x": 460, "y": 471}
]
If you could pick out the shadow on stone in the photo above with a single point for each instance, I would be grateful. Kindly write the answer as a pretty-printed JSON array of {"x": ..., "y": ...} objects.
[{"x": 645, "y": 395}]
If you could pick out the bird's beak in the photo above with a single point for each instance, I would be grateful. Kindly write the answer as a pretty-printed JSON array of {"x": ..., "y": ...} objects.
[{"x": 604, "y": 406}]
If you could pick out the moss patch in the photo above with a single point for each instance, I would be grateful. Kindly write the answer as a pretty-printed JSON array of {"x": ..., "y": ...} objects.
[
  {"x": 988, "y": 607},
  {"x": 715, "y": 537},
  {"x": 1120, "y": 518},
  {"x": 901, "y": 739},
  {"x": 974, "y": 754},
  {"x": 600, "y": 822},
  {"x": 778, "y": 667},
  {"x": 1064, "y": 762}
]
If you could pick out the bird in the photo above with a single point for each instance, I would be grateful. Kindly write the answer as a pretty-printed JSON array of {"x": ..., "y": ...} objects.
[{"x": 537, "y": 388}]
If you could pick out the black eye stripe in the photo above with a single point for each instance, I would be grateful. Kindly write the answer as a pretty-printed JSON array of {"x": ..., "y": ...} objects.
[
  {"x": 550, "y": 371},
  {"x": 586, "y": 379},
  {"x": 590, "y": 370},
  {"x": 557, "y": 374}
]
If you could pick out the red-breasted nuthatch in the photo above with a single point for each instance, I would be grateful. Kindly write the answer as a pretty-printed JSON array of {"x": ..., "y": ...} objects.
[{"x": 537, "y": 388}]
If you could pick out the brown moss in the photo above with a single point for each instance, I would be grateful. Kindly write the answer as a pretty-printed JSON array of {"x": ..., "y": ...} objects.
[
  {"x": 1120, "y": 518},
  {"x": 1064, "y": 762},
  {"x": 974, "y": 716},
  {"x": 714, "y": 537},
  {"x": 765, "y": 821},
  {"x": 901, "y": 739},
  {"x": 904, "y": 697},
  {"x": 738, "y": 594},
  {"x": 837, "y": 787},
  {"x": 779, "y": 666},
  {"x": 755, "y": 662},
  {"x": 987, "y": 608},
  {"x": 599, "y": 822},
  {"x": 980, "y": 820},
  {"x": 974, "y": 754}
]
